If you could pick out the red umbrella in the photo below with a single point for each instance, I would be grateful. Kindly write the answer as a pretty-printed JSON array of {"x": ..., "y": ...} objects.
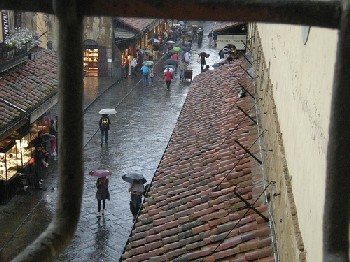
[{"x": 100, "y": 173}]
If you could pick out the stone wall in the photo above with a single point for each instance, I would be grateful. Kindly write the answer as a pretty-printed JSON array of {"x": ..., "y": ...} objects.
[{"x": 290, "y": 245}]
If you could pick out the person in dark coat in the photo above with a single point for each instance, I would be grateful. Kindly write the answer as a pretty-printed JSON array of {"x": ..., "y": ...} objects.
[
  {"x": 136, "y": 190},
  {"x": 39, "y": 165},
  {"x": 104, "y": 124},
  {"x": 102, "y": 194},
  {"x": 203, "y": 56}
]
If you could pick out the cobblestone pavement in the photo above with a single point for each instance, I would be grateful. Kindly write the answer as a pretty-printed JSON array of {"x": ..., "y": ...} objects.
[{"x": 140, "y": 131}]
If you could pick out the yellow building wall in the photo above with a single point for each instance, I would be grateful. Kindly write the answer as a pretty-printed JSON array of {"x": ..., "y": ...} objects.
[{"x": 301, "y": 75}]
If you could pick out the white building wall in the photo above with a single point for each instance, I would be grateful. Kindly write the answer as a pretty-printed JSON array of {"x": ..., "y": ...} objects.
[{"x": 302, "y": 79}]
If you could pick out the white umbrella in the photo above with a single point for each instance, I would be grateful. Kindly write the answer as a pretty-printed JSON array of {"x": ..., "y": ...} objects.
[
  {"x": 107, "y": 111},
  {"x": 170, "y": 42},
  {"x": 154, "y": 40},
  {"x": 148, "y": 63}
]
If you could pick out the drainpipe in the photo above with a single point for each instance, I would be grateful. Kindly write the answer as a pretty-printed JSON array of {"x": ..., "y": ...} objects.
[{"x": 337, "y": 208}]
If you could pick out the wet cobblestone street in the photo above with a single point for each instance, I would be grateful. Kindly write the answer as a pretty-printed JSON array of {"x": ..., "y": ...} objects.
[{"x": 139, "y": 134}]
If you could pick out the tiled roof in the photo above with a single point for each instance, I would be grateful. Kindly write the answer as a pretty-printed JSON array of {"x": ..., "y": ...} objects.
[
  {"x": 24, "y": 86},
  {"x": 191, "y": 212},
  {"x": 136, "y": 23}
]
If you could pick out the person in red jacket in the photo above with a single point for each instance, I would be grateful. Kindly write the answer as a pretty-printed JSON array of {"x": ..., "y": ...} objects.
[{"x": 167, "y": 77}]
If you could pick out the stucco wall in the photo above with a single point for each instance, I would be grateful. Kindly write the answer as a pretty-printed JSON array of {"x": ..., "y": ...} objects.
[
  {"x": 300, "y": 77},
  {"x": 99, "y": 29}
]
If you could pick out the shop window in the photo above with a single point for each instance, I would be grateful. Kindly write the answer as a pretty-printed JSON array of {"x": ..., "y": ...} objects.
[{"x": 91, "y": 62}]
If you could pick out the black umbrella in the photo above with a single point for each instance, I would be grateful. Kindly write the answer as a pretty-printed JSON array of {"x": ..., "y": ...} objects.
[
  {"x": 134, "y": 178},
  {"x": 39, "y": 141},
  {"x": 170, "y": 62}
]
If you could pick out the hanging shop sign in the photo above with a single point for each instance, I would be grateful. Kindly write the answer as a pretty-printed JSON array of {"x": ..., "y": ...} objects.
[
  {"x": 5, "y": 25},
  {"x": 236, "y": 40}
]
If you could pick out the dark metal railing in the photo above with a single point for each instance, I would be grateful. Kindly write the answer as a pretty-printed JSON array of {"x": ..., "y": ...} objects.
[
  {"x": 11, "y": 56},
  {"x": 328, "y": 14}
]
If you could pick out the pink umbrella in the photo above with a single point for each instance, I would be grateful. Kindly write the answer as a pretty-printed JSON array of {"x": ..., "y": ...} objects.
[{"x": 100, "y": 173}]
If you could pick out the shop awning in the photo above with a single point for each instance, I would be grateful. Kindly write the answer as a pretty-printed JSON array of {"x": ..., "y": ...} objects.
[
  {"x": 121, "y": 35},
  {"x": 44, "y": 107}
]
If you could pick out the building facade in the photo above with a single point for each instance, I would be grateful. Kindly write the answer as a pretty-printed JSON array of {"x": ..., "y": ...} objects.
[{"x": 294, "y": 78}]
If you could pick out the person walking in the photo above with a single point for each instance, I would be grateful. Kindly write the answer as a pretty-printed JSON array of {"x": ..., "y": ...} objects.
[
  {"x": 126, "y": 66},
  {"x": 203, "y": 56},
  {"x": 39, "y": 165},
  {"x": 221, "y": 54},
  {"x": 102, "y": 194},
  {"x": 136, "y": 190},
  {"x": 133, "y": 67},
  {"x": 182, "y": 68},
  {"x": 104, "y": 124},
  {"x": 145, "y": 71},
  {"x": 53, "y": 133},
  {"x": 167, "y": 77},
  {"x": 151, "y": 75},
  {"x": 186, "y": 57}
]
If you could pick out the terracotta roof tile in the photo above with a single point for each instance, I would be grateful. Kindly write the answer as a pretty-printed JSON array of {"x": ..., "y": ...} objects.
[
  {"x": 191, "y": 211},
  {"x": 136, "y": 23},
  {"x": 24, "y": 86}
]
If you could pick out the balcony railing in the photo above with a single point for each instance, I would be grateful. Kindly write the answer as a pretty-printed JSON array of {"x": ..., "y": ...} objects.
[{"x": 11, "y": 56}]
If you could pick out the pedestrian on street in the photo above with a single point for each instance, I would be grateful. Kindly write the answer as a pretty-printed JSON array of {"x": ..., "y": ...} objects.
[
  {"x": 151, "y": 75},
  {"x": 203, "y": 56},
  {"x": 133, "y": 67},
  {"x": 186, "y": 57},
  {"x": 221, "y": 54},
  {"x": 104, "y": 124},
  {"x": 136, "y": 190},
  {"x": 53, "y": 133},
  {"x": 102, "y": 194},
  {"x": 167, "y": 77},
  {"x": 39, "y": 165},
  {"x": 126, "y": 66},
  {"x": 182, "y": 68},
  {"x": 145, "y": 71}
]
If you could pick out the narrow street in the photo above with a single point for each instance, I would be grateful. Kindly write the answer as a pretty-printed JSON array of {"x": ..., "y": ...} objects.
[{"x": 139, "y": 134}]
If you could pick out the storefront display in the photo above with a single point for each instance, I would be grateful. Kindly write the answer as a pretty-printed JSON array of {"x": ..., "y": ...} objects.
[
  {"x": 14, "y": 158},
  {"x": 91, "y": 62}
]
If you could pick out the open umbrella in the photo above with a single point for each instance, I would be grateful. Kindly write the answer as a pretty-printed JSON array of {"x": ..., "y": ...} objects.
[
  {"x": 148, "y": 52},
  {"x": 170, "y": 42},
  {"x": 100, "y": 173},
  {"x": 176, "y": 48},
  {"x": 134, "y": 178},
  {"x": 40, "y": 140},
  {"x": 170, "y": 62},
  {"x": 148, "y": 63},
  {"x": 107, "y": 111},
  {"x": 153, "y": 40},
  {"x": 186, "y": 48}
]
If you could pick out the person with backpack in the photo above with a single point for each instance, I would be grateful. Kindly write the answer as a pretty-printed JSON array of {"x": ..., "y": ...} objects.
[
  {"x": 145, "y": 71},
  {"x": 104, "y": 127}
]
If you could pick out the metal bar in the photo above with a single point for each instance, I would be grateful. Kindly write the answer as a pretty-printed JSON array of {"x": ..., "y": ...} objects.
[
  {"x": 245, "y": 45},
  {"x": 247, "y": 115},
  {"x": 44, "y": 6},
  {"x": 312, "y": 13},
  {"x": 247, "y": 151},
  {"x": 246, "y": 90},
  {"x": 61, "y": 230},
  {"x": 246, "y": 72},
  {"x": 250, "y": 206},
  {"x": 337, "y": 198}
]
